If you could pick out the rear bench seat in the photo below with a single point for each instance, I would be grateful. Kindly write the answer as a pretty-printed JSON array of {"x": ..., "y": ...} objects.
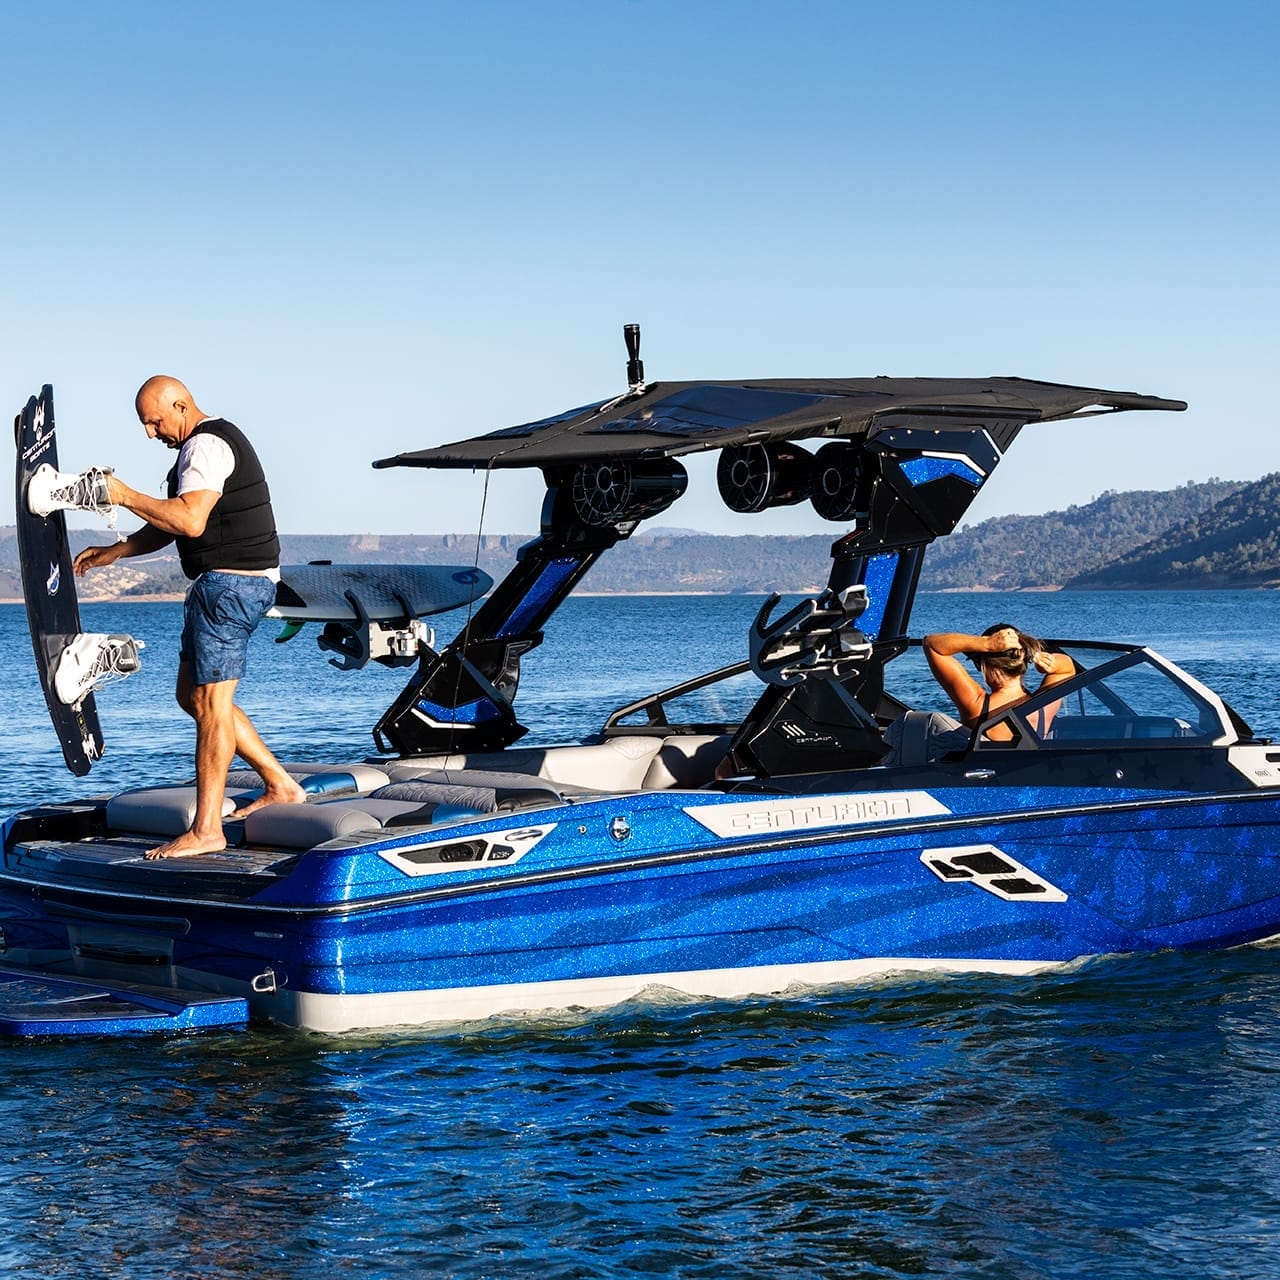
[
  {"x": 429, "y": 798},
  {"x": 169, "y": 811},
  {"x": 350, "y": 799}
]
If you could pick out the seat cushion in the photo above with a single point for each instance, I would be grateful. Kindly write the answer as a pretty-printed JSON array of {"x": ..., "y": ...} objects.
[
  {"x": 686, "y": 760},
  {"x": 303, "y": 826},
  {"x": 159, "y": 811},
  {"x": 921, "y": 737},
  {"x": 482, "y": 791}
]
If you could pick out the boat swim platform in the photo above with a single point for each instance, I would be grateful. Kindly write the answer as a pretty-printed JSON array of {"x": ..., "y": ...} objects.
[{"x": 37, "y": 1003}]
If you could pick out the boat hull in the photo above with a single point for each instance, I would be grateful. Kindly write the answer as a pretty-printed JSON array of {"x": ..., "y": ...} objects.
[{"x": 581, "y": 924}]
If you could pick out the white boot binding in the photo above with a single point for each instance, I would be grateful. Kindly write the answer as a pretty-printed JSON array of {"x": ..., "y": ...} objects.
[
  {"x": 92, "y": 659},
  {"x": 49, "y": 491}
]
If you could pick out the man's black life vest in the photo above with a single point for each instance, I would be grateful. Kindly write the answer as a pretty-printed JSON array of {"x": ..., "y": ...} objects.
[{"x": 241, "y": 533}]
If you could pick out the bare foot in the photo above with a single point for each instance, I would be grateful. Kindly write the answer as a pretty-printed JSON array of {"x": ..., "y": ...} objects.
[
  {"x": 287, "y": 792},
  {"x": 188, "y": 845}
]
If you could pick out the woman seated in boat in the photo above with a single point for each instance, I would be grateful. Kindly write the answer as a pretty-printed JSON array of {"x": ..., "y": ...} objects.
[{"x": 1003, "y": 655}]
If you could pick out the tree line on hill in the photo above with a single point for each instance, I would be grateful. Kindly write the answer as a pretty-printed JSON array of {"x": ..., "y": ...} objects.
[
  {"x": 1235, "y": 543},
  {"x": 1214, "y": 534},
  {"x": 1071, "y": 548}
]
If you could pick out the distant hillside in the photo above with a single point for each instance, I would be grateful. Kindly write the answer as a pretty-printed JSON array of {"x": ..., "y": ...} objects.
[
  {"x": 160, "y": 574},
  {"x": 662, "y": 561},
  {"x": 1236, "y": 543},
  {"x": 1013, "y": 553},
  {"x": 1219, "y": 533}
]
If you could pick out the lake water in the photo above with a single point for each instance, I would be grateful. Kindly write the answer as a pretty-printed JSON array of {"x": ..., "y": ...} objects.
[{"x": 1118, "y": 1121}]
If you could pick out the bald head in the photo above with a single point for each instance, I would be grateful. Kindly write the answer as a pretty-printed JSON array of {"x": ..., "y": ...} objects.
[{"x": 167, "y": 411}]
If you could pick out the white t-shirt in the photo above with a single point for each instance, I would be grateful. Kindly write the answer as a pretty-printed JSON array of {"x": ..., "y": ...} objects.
[{"x": 204, "y": 462}]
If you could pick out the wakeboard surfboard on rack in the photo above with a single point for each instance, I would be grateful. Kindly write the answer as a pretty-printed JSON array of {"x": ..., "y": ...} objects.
[
  {"x": 48, "y": 586},
  {"x": 371, "y": 611},
  {"x": 322, "y": 591}
]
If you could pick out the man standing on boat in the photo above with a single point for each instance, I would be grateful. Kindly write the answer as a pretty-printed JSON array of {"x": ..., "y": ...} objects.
[{"x": 218, "y": 511}]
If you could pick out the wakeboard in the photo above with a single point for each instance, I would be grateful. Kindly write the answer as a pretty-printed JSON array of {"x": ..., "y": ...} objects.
[
  {"x": 323, "y": 592},
  {"x": 48, "y": 585},
  {"x": 370, "y": 612}
]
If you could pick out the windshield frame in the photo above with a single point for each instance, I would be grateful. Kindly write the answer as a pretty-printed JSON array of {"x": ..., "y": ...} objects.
[{"x": 1021, "y": 717}]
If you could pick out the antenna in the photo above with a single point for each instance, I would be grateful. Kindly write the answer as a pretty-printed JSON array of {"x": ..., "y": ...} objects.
[{"x": 635, "y": 366}]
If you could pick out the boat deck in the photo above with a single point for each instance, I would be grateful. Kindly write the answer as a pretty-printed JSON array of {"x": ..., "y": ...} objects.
[{"x": 119, "y": 863}]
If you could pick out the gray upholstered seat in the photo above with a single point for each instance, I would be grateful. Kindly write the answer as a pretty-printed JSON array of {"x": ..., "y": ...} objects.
[
  {"x": 483, "y": 790},
  {"x": 169, "y": 811},
  {"x": 686, "y": 760},
  {"x": 303, "y": 826},
  {"x": 617, "y": 764},
  {"x": 921, "y": 737},
  {"x": 159, "y": 811}
]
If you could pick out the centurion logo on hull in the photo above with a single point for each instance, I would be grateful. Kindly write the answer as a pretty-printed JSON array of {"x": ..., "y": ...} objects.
[{"x": 751, "y": 817}]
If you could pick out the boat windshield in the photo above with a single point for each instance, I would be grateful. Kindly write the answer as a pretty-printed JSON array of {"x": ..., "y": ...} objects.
[
  {"x": 1137, "y": 696},
  {"x": 1120, "y": 694}
]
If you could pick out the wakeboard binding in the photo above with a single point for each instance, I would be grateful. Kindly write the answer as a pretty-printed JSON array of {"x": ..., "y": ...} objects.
[
  {"x": 90, "y": 660},
  {"x": 51, "y": 490}
]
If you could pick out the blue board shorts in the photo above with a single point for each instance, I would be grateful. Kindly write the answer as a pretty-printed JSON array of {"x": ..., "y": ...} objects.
[{"x": 221, "y": 612}]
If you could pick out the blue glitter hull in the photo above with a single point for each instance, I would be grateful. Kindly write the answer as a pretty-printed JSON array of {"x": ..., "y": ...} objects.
[{"x": 350, "y": 938}]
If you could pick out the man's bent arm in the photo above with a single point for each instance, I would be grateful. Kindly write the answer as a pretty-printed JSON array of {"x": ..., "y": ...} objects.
[
  {"x": 184, "y": 516},
  {"x": 140, "y": 542}
]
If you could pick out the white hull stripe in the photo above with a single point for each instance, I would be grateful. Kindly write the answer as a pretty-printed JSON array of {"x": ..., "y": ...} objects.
[{"x": 334, "y": 1013}]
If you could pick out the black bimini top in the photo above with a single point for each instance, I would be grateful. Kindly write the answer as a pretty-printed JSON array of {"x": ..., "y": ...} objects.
[{"x": 665, "y": 419}]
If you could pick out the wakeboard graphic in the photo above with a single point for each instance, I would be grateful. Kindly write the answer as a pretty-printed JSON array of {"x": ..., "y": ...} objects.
[{"x": 48, "y": 585}]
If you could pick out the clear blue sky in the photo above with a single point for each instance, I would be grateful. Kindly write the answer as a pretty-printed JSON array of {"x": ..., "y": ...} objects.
[{"x": 357, "y": 229}]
